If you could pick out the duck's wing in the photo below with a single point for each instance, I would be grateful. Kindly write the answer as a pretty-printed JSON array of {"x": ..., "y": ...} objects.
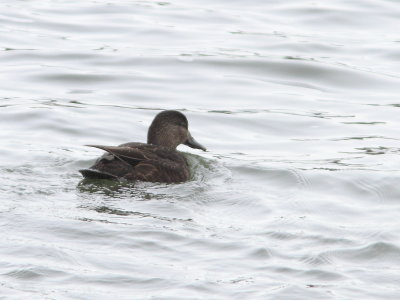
[
  {"x": 127, "y": 154},
  {"x": 115, "y": 163}
]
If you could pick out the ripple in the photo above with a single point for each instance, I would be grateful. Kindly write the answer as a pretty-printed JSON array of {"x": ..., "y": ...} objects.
[
  {"x": 381, "y": 253},
  {"x": 35, "y": 273}
]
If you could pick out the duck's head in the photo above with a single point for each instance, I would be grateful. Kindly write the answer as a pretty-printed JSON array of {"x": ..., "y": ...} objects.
[{"x": 170, "y": 129}]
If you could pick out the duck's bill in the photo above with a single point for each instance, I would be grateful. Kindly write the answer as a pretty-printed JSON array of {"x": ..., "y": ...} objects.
[{"x": 191, "y": 142}]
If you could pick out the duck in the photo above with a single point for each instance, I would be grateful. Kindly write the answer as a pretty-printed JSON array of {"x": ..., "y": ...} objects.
[{"x": 154, "y": 161}]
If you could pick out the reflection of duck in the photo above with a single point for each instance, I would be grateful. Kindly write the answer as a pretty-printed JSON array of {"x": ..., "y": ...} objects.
[{"x": 156, "y": 161}]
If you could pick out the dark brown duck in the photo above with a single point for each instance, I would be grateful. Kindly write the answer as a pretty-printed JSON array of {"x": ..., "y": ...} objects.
[{"x": 156, "y": 161}]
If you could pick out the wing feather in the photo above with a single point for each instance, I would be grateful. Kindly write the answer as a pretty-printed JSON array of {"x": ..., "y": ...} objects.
[{"x": 127, "y": 154}]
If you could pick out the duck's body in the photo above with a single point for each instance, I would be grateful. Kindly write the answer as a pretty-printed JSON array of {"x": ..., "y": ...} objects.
[
  {"x": 156, "y": 161},
  {"x": 137, "y": 161}
]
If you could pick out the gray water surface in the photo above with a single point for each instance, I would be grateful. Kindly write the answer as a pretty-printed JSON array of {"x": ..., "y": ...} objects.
[{"x": 297, "y": 101}]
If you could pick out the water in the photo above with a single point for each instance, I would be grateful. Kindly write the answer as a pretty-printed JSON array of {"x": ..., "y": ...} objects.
[{"x": 297, "y": 102}]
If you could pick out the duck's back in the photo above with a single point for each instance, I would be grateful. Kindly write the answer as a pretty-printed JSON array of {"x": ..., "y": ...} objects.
[{"x": 138, "y": 161}]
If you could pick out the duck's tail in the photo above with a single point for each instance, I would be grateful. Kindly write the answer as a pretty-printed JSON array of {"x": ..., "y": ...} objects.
[{"x": 96, "y": 174}]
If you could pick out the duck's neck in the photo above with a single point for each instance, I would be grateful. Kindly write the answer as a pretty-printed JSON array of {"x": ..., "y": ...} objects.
[
  {"x": 162, "y": 141},
  {"x": 162, "y": 138}
]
